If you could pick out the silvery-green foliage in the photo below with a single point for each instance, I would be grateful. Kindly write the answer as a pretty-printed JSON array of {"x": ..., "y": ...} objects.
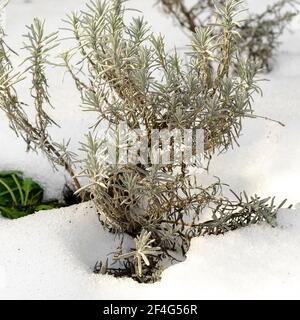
[
  {"x": 127, "y": 75},
  {"x": 38, "y": 46},
  {"x": 131, "y": 77},
  {"x": 259, "y": 33},
  {"x": 143, "y": 251}
]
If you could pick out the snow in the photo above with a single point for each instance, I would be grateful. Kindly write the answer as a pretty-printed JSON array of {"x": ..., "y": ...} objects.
[
  {"x": 2, "y": 278},
  {"x": 52, "y": 254}
]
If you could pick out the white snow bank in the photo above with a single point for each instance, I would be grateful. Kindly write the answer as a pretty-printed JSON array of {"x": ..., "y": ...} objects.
[
  {"x": 2, "y": 278},
  {"x": 50, "y": 255}
]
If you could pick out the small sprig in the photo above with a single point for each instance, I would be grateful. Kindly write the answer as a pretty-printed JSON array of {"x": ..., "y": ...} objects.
[
  {"x": 39, "y": 46},
  {"x": 142, "y": 253}
]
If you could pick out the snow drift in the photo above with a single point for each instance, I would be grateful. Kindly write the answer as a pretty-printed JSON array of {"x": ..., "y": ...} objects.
[{"x": 51, "y": 255}]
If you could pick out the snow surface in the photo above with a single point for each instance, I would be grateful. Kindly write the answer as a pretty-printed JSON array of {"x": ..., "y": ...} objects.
[{"x": 51, "y": 254}]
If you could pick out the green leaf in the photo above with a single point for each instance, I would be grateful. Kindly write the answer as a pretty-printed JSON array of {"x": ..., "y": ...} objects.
[
  {"x": 12, "y": 213},
  {"x": 21, "y": 196}
]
